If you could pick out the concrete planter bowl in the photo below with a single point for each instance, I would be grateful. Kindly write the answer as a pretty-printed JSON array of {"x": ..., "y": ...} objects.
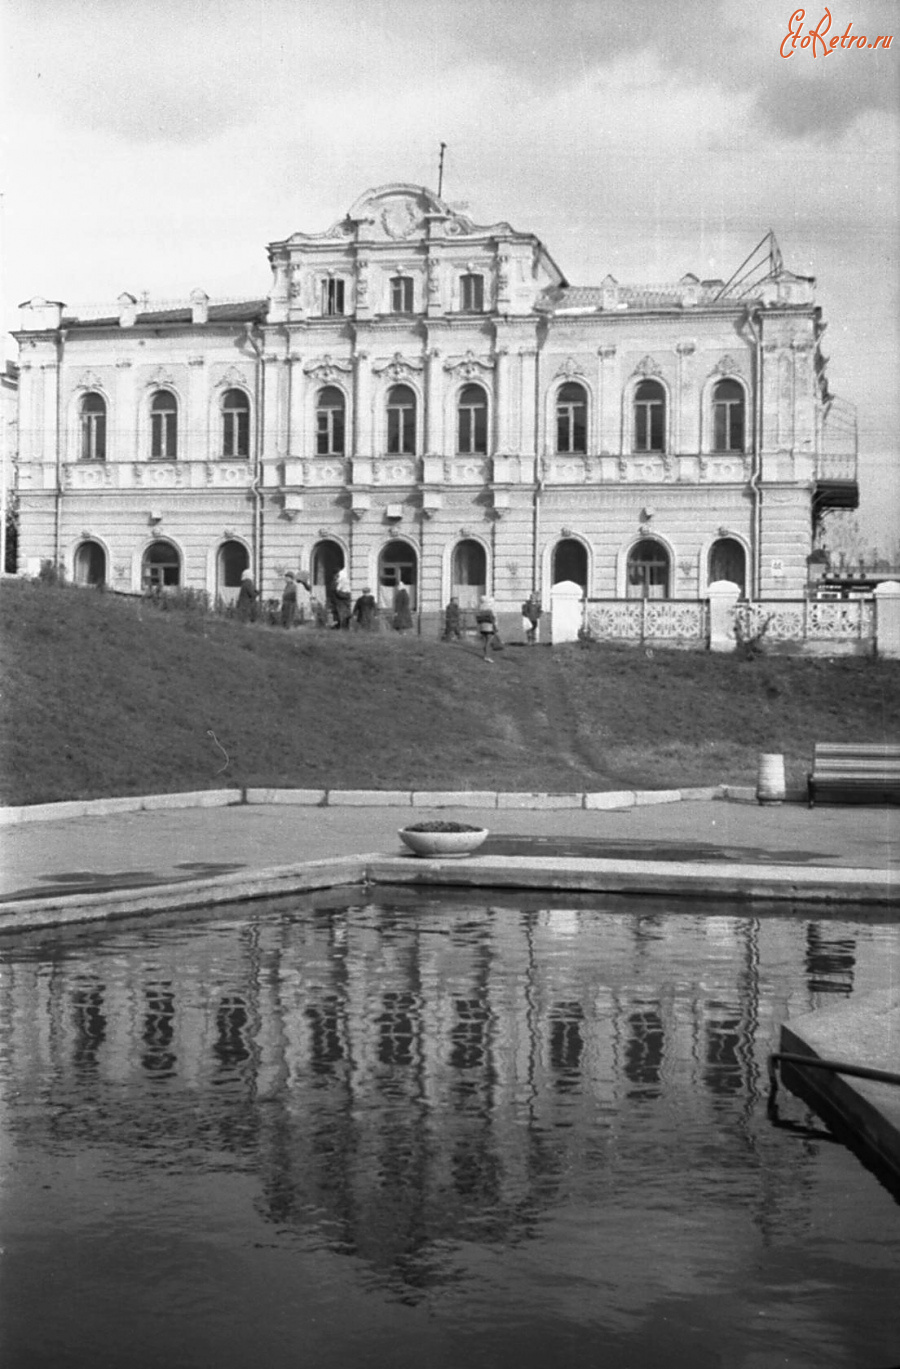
[{"x": 442, "y": 838}]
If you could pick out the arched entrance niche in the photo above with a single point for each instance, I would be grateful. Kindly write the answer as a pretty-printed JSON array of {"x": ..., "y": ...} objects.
[
  {"x": 90, "y": 564},
  {"x": 468, "y": 572},
  {"x": 648, "y": 571},
  {"x": 728, "y": 561},
  {"x": 161, "y": 566},
  {"x": 398, "y": 565},
  {"x": 231, "y": 562},
  {"x": 569, "y": 562}
]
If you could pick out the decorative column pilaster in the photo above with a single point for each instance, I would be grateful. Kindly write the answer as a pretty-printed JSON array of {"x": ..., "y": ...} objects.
[
  {"x": 297, "y": 428},
  {"x": 204, "y": 436},
  {"x": 502, "y": 402},
  {"x": 434, "y": 435},
  {"x": 607, "y": 401},
  {"x": 362, "y": 404},
  {"x": 682, "y": 437}
]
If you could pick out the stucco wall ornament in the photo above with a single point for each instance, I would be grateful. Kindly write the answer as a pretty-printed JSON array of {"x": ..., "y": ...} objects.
[
  {"x": 570, "y": 368},
  {"x": 470, "y": 365},
  {"x": 647, "y": 366},
  {"x": 400, "y": 219},
  {"x": 327, "y": 368},
  {"x": 399, "y": 367},
  {"x": 727, "y": 365},
  {"x": 89, "y": 380}
]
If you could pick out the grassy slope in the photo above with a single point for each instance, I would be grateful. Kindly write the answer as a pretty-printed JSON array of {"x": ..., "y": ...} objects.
[{"x": 103, "y": 696}]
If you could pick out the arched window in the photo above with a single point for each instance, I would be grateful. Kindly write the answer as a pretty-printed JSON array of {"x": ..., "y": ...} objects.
[
  {"x": 161, "y": 566},
  {"x": 571, "y": 418},
  {"x": 163, "y": 426},
  {"x": 649, "y": 417},
  {"x": 235, "y": 424},
  {"x": 728, "y": 416},
  {"x": 398, "y": 565},
  {"x": 93, "y": 427},
  {"x": 471, "y": 414},
  {"x": 401, "y": 295},
  {"x": 401, "y": 420},
  {"x": 648, "y": 570},
  {"x": 330, "y": 422}
]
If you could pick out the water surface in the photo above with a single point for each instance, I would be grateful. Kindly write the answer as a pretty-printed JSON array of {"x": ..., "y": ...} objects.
[{"x": 456, "y": 1132}]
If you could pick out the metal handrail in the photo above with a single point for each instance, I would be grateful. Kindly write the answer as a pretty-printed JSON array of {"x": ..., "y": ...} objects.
[{"x": 835, "y": 1066}]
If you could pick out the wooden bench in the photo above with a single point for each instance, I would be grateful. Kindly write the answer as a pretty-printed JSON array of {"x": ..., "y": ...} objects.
[{"x": 854, "y": 773}]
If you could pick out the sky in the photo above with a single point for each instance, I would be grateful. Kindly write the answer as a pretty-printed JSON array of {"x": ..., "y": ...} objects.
[{"x": 157, "y": 147}]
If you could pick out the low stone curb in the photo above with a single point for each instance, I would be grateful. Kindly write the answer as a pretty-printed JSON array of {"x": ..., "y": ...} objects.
[
  {"x": 376, "y": 798},
  {"x": 674, "y": 879}
]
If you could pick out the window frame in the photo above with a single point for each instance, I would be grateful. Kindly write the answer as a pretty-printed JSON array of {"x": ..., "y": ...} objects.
[
  {"x": 475, "y": 418},
  {"x": 401, "y": 431},
  {"x": 92, "y": 427},
  {"x": 643, "y": 416},
  {"x": 565, "y": 412},
  {"x": 471, "y": 293},
  {"x": 235, "y": 426},
  {"x": 329, "y": 411},
  {"x": 402, "y": 290},
  {"x": 730, "y": 410},
  {"x": 333, "y": 297},
  {"x": 163, "y": 427}
]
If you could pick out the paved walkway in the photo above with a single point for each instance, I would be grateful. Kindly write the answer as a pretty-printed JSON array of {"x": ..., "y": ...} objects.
[{"x": 134, "y": 850}]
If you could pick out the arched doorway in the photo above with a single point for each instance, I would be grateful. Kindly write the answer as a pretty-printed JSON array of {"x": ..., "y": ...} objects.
[
  {"x": 648, "y": 570},
  {"x": 570, "y": 562},
  {"x": 728, "y": 561},
  {"x": 398, "y": 565},
  {"x": 326, "y": 560},
  {"x": 90, "y": 564},
  {"x": 468, "y": 574},
  {"x": 233, "y": 559},
  {"x": 161, "y": 566}
]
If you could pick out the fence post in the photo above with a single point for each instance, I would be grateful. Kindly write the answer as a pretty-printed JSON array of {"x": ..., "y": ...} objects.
[
  {"x": 887, "y": 620},
  {"x": 723, "y": 595}
]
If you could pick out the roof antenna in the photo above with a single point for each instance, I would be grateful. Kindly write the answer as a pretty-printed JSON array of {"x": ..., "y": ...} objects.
[{"x": 441, "y": 170}]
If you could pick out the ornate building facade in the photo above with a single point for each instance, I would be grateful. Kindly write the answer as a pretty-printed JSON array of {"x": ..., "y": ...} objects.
[{"x": 427, "y": 401}]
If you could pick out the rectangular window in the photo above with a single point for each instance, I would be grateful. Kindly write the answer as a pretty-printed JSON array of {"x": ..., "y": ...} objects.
[
  {"x": 401, "y": 430},
  {"x": 330, "y": 432},
  {"x": 163, "y": 438},
  {"x": 236, "y": 432},
  {"x": 729, "y": 426},
  {"x": 332, "y": 296},
  {"x": 401, "y": 295},
  {"x": 648, "y": 427},
  {"x": 472, "y": 294}
]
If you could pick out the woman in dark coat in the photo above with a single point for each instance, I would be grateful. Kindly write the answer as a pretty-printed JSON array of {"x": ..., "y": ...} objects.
[
  {"x": 246, "y": 600},
  {"x": 364, "y": 609},
  {"x": 402, "y": 611}
]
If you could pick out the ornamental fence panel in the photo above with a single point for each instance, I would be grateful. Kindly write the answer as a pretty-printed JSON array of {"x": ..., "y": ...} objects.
[
  {"x": 681, "y": 621},
  {"x": 685, "y": 622}
]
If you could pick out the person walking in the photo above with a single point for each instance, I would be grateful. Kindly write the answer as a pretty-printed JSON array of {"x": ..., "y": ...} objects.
[
  {"x": 487, "y": 626},
  {"x": 364, "y": 609},
  {"x": 343, "y": 599},
  {"x": 402, "y": 610},
  {"x": 289, "y": 600},
  {"x": 246, "y": 600},
  {"x": 531, "y": 618},
  {"x": 452, "y": 621}
]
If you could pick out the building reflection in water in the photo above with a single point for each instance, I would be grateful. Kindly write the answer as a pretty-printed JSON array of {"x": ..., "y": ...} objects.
[{"x": 401, "y": 1076}]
